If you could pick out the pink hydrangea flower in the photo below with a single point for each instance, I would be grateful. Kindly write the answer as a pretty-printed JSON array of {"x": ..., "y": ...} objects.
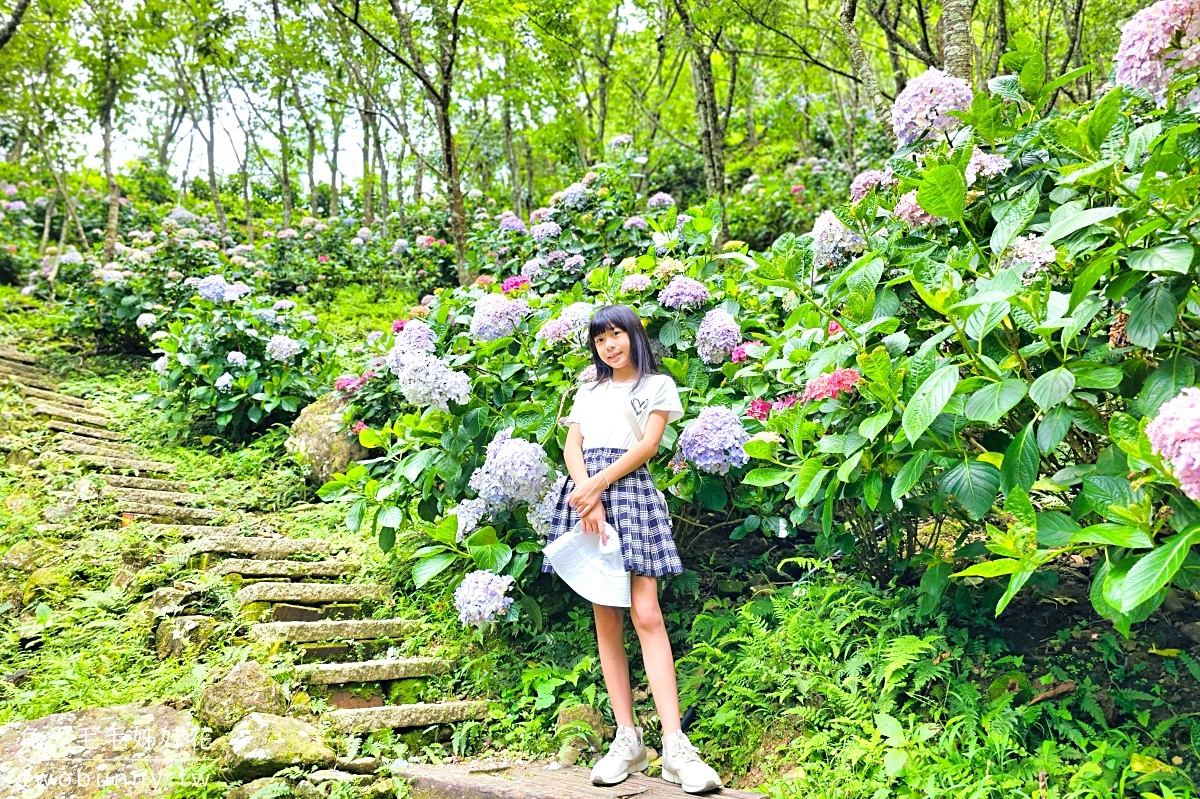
[
  {"x": 398, "y": 325},
  {"x": 1158, "y": 42},
  {"x": 834, "y": 328},
  {"x": 785, "y": 402},
  {"x": 871, "y": 179},
  {"x": 829, "y": 385},
  {"x": 924, "y": 105},
  {"x": 359, "y": 426},
  {"x": 759, "y": 409},
  {"x": 514, "y": 284},
  {"x": 910, "y": 213},
  {"x": 987, "y": 165},
  {"x": 1175, "y": 436},
  {"x": 739, "y": 352}
]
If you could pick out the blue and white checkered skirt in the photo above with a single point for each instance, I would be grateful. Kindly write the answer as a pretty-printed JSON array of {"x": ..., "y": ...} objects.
[{"x": 634, "y": 509}]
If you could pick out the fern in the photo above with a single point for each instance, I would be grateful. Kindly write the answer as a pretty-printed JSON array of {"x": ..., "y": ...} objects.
[
  {"x": 1191, "y": 665},
  {"x": 901, "y": 653}
]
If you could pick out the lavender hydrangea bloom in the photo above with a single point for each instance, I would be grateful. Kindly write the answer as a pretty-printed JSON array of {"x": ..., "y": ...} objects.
[
  {"x": 555, "y": 257},
  {"x": 235, "y": 358},
  {"x": 224, "y": 383},
  {"x": 909, "y": 212},
  {"x": 833, "y": 241},
  {"x": 574, "y": 196},
  {"x": 145, "y": 320},
  {"x": 545, "y": 230},
  {"x": 714, "y": 441},
  {"x": 514, "y": 472},
  {"x": 1175, "y": 436},
  {"x": 987, "y": 165},
  {"x": 660, "y": 200},
  {"x": 635, "y": 283},
  {"x": 212, "y": 288},
  {"x": 556, "y": 331},
  {"x": 427, "y": 380},
  {"x": 541, "y": 513},
  {"x": 415, "y": 337},
  {"x": 497, "y": 316},
  {"x": 683, "y": 292},
  {"x": 634, "y": 222},
  {"x": 1158, "y": 42},
  {"x": 534, "y": 268},
  {"x": 574, "y": 263},
  {"x": 924, "y": 105},
  {"x": 282, "y": 348},
  {"x": 717, "y": 336},
  {"x": 267, "y": 315},
  {"x": 540, "y": 214},
  {"x": 162, "y": 366},
  {"x": 480, "y": 598},
  {"x": 235, "y": 291},
  {"x": 870, "y": 179},
  {"x": 620, "y": 140},
  {"x": 511, "y": 223},
  {"x": 1031, "y": 252},
  {"x": 589, "y": 374},
  {"x": 284, "y": 305},
  {"x": 469, "y": 513}
]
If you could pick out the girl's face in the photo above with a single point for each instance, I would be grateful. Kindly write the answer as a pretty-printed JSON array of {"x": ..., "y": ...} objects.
[{"x": 613, "y": 346}]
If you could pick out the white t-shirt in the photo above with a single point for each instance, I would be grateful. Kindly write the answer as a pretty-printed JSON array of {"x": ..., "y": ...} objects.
[{"x": 597, "y": 409}]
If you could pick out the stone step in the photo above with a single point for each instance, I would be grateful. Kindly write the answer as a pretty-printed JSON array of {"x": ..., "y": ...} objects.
[
  {"x": 46, "y": 384},
  {"x": 150, "y": 495},
  {"x": 168, "y": 511},
  {"x": 10, "y": 354},
  {"x": 93, "y": 446},
  {"x": 127, "y": 464},
  {"x": 301, "y": 632},
  {"x": 268, "y": 548},
  {"x": 371, "y": 670},
  {"x": 394, "y": 717},
  {"x": 93, "y": 412},
  {"x": 186, "y": 530},
  {"x": 250, "y": 567},
  {"x": 147, "y": 483},
  {"x": 310, "y": 593},
  {"x": 55, "y": 398},
  {"x": 75, "y": 415},
  {"x": 21, "y": 370},
  {"x": 87, "y": 432}
]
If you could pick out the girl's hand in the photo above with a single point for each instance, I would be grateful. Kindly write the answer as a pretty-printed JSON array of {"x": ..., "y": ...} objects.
[
  {"x": 586, "y": 495},
  {"x": 594, "y": 522}
]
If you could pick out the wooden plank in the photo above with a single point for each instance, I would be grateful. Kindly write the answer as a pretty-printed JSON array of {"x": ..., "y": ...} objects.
[{"x": 534, "y": 781}]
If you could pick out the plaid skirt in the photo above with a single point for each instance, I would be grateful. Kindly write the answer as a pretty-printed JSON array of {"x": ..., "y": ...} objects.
[{"x": 634, "y": 509}]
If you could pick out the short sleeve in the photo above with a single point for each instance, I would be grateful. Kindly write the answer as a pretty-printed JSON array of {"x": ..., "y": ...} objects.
[
  {"x": 666, "y": 398},
  {"x": 578, "y": 408}
]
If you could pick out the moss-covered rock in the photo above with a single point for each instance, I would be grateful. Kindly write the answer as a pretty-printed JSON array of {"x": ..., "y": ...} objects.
[
  {"x": 46, "y": 582},
  {"x": 261, "y": 744},
  {"x": 320, "y": 441},
  {"x": 28, "y": 555},
  {"x": 244, "y": 690},
  {"x": 183, "y": 636}
]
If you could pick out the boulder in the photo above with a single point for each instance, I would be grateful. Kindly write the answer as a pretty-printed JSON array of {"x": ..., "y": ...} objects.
[
  {"x": 45, "y": 582},
  {"x": 570, "y": 727},
  {"x": 183, "y": 636},
  {"x": 322, "y": 443},
  {"x": 250, "y": 788},
  {"x": 167, "y": 601},
  {"x": 245, "y": 689},
  {"x": 126, "y": 749},
  {"x": 28, "y": 555},
  {"x": 262, "y": 744}
]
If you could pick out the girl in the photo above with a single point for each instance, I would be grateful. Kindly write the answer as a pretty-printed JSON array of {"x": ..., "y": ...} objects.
[{"x": 606, "y": 458}]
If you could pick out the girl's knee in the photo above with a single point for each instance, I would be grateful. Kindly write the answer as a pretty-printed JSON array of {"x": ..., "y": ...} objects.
[{"x": 647, "y": 617}]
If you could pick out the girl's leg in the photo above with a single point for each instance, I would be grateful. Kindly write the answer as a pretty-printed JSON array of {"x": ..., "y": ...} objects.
[
  {"x": 656, "y": 652},
  {"x": 610, "y": 638}
]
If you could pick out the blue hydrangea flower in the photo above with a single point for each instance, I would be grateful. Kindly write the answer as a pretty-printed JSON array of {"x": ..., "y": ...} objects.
[
  {"x": 212, "y": 288},
  {"x": 481, "y": 598},
  {"x": 469, "y": 513},
  {"x": 235, "y": 358},
  {"x": 162, "y": 366},
  {"x": 717, "y": 337},
  {"x": 427, "y": 380},
  {"x": 534, "y": 268},
  {"x": 574, "y": 263},
  {"x": 683, "y": 292},
  {"x": 415, "y": 337},
  {"x": 660, "y": 200},
  {"x": 497, "y": 316},
  {"x": 714, "y": 441},
  {"x": 514, "y": 472},
  {"x": 224, "y": 383},
  {"x": 545, "y": 230},
  {"x": 573, "y": 196},
  {"x": 282, "y": 348},
  {"x": 284, "y": 305}
]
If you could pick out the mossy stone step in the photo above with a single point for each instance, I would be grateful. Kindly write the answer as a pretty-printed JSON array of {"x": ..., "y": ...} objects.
[
  {"x": 76, "y": 415},
  {"x": 301, "y": 632},
  {"x": 24, "y": 370},
  {"x": 10, "y": 354},
  {"x": 371, "y": 670},
  {"x": 28, "y": 380},
  {"x": 256, "y": 547},
  {"x": 86, "y": 432},
  {"x": 151, "y": 495},
  {"x": 81, "y": 445},
  {"x": 176, "y": 512},
  {"x": 187, "y": 530},
  {"x": 251, "y": 567},
  {"x": 126, "y": 464},
  {"x": 147, "y": 483},
  {"x": 55, "y": 398},
  {"x": 396, "y": 717},
  {"x": 310, "y": 593}
]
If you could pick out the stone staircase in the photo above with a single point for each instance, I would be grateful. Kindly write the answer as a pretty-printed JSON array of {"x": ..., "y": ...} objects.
[{"x": 291, "y": 591}]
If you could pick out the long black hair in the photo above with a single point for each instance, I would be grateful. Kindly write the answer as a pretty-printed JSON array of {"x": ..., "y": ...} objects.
[{"x": 622, "y": 317}]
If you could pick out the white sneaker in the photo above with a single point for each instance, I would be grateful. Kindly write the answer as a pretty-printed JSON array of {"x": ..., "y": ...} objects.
[
  {"x": 681, "y": 764},
  {"x": 626, "y": 756}
]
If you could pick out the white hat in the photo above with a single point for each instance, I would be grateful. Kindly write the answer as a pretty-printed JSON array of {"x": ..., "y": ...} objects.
[{"x": 596, "y": 572}]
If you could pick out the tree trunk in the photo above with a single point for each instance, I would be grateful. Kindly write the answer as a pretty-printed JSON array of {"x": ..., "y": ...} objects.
[
  {"x": 246, "y": 196},
  {"x": 712, "y": 133},
  {"x": 958, "y": 46},
  {"x": 285, "y": 158},
  {"x": 862, "y": 66},
  {"x": 10, "y": 27},
  {"x": 368, "y": 178},
  {"x": 400, "y": 188},
  {"x": 385, "y": 196},
  {"x": 510, "y": 152},
  {"x": 310, "y": 155},
  {"x": 114, "y": 191},
  {"x": 46, "y": 224},
  {"x": 458, "y": 214},
  {"x": 334, "y": 196},
  {"x": 18, "y": 149},
  {"x": 210, "y": 143},
  {"x": 419, "y": 183}
]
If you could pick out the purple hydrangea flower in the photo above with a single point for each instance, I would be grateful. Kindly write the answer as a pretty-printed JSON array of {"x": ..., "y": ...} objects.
[
  {"x": 540, "y": 215},
  {"x": 497, "y": 316},
  {"x": 235, "y": 358},
  {"x": 224, "y": 383},
  {"x": 469, "y": 513},
  {"x": 284, "y": 305},
  {"x": 235, "y": 291},
  {"x": 714, "y": 440},
  {"x": 833, "y": 241},
  {"x": 515, "y": 472},
  {"x": 573, "y": 196},
  {"x": 683, "y": 292},
  {"x": 545, "y": 230},
  {"x": 1175, "y": 436},
  {"x": 1158, "y": 42},
  {"x": 910, "y": 213},
  {"x": 511, "y": 223},
  {"x": 872, "y": 178},
  {"x": 541, "y": 513},
  {"x": 634, "y": 222},
  {"x": 534, "y": 268},
  {"x": 924, "y": 105},
  {"x": 427, "y": 380},
  {"x": 556, "y": 331},
  {"x": 212, "y": 288},
  {"x": 589, "y": 374},
  {"x": 282, "y": 348},
  {"x": 574, "y": 263},
  {"x": 1032, "y": 253},
  {"x": 416, "y": 336},
  {"x": 717, "y": 336},
  {"x": 987, "y": 165},
  {"x": 556, "y": 256},
  {"x": 635, "y": 283},
  {"x": 660, "y": 200},
  {"x": 620, "y": 140},
  {"x": 481, "y": 598}
]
